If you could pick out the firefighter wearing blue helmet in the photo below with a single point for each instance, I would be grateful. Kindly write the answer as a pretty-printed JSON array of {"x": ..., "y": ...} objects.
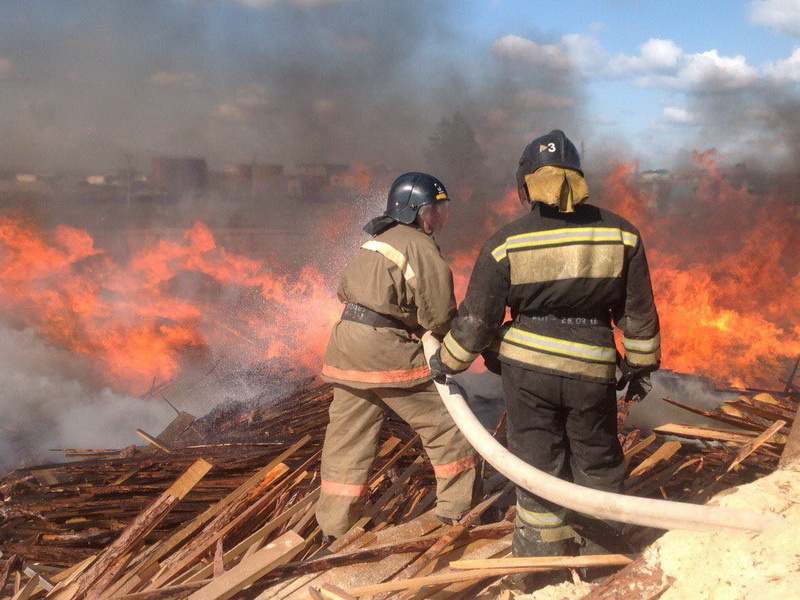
[{"x": 396, "y": 287}]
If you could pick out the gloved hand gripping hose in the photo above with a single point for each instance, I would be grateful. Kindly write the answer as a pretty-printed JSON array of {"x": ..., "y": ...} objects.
[{"x": 662, "y": 514}]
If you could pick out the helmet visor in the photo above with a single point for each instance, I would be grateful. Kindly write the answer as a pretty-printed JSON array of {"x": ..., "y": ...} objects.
[{"x": 435, "y": 215}]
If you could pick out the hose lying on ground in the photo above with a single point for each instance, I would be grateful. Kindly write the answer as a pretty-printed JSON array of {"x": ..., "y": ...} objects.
[{"x": 663, "y": 514}]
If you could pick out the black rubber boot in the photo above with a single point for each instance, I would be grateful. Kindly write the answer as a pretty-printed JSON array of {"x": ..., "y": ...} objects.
[
  {"x": 598, "y": 537},
  {"x": 528, "y": 541}
]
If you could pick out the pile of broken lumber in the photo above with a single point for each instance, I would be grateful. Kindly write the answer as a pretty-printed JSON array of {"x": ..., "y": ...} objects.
[{"x": 223, "y": 507}]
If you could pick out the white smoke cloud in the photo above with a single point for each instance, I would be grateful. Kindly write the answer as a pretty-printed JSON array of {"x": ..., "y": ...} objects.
[
  {"x": 48, "y": 400},
  {"x": 782, "y": 16}
]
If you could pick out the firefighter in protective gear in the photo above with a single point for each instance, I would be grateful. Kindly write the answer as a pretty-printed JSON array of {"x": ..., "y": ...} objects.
[
  {"x": 569, "y": 272},
  {"x": 395, "y": 288}
]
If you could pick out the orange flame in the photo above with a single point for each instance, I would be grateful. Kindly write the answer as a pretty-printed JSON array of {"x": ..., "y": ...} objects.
[
  {"x": 130, "y": 322},
  {"x": 725, "y": 271}
]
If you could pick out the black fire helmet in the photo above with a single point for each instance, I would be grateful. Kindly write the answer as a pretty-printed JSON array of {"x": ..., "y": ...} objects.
[
  {"x": 554, "y": 149},
  {"x": 410, "y": 192}
]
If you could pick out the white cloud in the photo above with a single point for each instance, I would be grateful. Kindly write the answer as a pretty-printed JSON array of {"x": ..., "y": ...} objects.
[
  {"x": 779, "y": 15},
  {"x": 712, "y": 72},
  {"x": 785, "y": 70},
  {"x": 679, "y": 115},
  {"x": 184, "y": 81},
  {"x": 660, "y": 62},
  {"x": 584, "y": 51},
  {"x": 524, "y": 50},
  {"x": 660, "y": 54},
  {"x": 248, "y": 99}
]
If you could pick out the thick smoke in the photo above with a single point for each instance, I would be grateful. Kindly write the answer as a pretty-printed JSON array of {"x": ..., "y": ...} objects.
[
  {"x": 49, "y": 399},
  {"x": 334, "y": 82}
]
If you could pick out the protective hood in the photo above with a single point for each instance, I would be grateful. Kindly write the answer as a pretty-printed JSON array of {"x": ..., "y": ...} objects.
[
  {"x": 557, "y": 186},
  {"x": 379, "y": 224}
]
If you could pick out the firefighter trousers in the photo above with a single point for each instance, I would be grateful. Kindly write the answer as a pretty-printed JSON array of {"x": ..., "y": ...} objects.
[
  {"x": 351, "y": 441},
  {"x": 566, "y": 428}
]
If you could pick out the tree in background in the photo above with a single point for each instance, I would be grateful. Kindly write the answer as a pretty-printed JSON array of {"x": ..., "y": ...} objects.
[{"x": 454, "y": 155}]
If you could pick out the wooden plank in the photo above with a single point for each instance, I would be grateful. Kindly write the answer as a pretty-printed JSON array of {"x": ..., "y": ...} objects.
[
  {"x": 10, "y": 565},
  {"x": 330, "y": 591},
  {"x": 755, "y": 444},
  {"x": 103, "y": 570},
  {"x": 541, "y": 562},
  {"x": 223, "y": 524},
  {"x": 176, "y": 428},
  {"x": 451, "y": 534},
  {"x": 43, "y": 582},
  {"x": 638, "y": 447},
  {"x": 198, "y": 522},
  {"x": 439, "y": 579},
  {"x": 258, "y": 536},
  {"x": 706, "y": 433},
  {"x": 27, "y": 590},
  {"x": 664, "y": 453},
  {"x": 175, "y": 591},
  {"x": 251, "y": 569},
  {"x": 154, "y": 441},
  {"x": 65, "y": 589}
]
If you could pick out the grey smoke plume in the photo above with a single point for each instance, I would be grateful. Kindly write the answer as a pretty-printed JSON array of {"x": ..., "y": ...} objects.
[
  {"x": 48, "y": 399},
  {"x": 285, "y": 82}
]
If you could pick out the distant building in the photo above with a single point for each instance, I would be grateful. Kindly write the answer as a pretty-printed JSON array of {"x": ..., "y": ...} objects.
[
  {"x": 179, "y": 176},
  {"x": 312, "y": 179}
]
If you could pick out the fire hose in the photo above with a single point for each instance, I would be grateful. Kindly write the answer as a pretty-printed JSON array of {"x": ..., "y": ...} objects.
[{"x": 662, "y": 514}]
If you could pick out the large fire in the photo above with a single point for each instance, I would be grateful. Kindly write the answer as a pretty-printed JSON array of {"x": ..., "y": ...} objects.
[
  {"x": 137, "y": 323},
  {"x": 725, "y": 272}
]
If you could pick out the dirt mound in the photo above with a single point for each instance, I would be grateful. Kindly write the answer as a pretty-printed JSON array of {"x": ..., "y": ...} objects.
[{"x": 722, "y": 565}]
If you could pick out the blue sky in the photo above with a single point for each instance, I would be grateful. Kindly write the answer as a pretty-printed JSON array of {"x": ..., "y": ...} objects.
[{"x": 84, "y": 83}]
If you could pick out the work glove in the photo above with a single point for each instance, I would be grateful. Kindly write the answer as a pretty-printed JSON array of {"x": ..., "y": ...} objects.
[
  {"x": 637, "y": 380},
  {"x": 638, "y": 387},
  {"x": 439, "y": 370}
]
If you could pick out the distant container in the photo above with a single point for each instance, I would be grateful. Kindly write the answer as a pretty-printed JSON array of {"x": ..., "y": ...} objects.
[
  {"x": 238, "y": 174},
  {"x": 26, "y": 178},
  {"x": 322, "y": 169},
  {"x": 180, "y": 175},
  {"x": 268, "y": 178}
]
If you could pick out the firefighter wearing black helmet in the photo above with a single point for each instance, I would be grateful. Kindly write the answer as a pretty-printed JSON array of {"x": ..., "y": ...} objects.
[
  {"x": 396, "y": 287},
  {"x": 569, "y": 272}
]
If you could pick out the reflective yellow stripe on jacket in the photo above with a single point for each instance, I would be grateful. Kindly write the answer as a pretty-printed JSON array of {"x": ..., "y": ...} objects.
[
  {"x": 557, "y": 354},
  {"x": 556, "y": 237},
  {"x": 394, "y": 255},
  {"x": 642, "y": 352},
  {"x": 454, "y": 355}
]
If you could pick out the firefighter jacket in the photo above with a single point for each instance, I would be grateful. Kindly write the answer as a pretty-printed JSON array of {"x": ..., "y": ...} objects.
[
  {"x": 565, "y": 277},
  {"x": 399, "y": 273}
]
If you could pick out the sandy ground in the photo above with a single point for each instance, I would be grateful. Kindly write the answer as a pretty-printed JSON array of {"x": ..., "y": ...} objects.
[{"x": 722, "y": 566}]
